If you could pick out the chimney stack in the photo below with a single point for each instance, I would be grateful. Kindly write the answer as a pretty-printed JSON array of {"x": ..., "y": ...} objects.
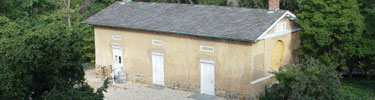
[{"x": 273, "y": 5}]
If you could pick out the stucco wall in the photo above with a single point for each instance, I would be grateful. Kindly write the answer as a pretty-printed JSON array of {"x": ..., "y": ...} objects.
[
  {"x": 261, "y": 54},
  {"x": 181, "y": 57},
  {"x": 237, "y": 63}
]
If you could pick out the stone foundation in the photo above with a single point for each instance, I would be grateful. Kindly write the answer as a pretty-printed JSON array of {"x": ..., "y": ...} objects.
[
  {"x": 230, "y": 95},
  {"x": 182, "y": 85},
  {"x": 140, "y": 78},
  {"x": 103, "y": 71},
  {"x": 186, "y": 86}
]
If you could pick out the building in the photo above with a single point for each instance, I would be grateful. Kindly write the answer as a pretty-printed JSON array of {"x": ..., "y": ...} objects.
[{"x": 214, "y": 50}]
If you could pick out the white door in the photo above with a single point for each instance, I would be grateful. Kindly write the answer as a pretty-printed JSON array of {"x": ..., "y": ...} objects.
[
  {"x": 117, "y": 58},
  {"x": 158, "y": 69},
  {"x": 207, "y": 78}
]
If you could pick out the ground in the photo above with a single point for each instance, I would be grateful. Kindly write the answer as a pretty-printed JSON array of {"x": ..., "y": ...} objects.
[{"x": 137, "y": 91}]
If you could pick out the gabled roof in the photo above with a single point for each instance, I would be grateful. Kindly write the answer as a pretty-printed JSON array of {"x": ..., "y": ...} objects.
[{"x": 198, "y": 20}]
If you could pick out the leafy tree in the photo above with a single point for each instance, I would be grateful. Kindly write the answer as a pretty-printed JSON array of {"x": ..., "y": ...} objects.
[
  {"x": 42, "y": 58},
  {"x": 14, "y": 9},
  {"x": 332, "y": 30},
  {"x": 86, "y": 11},
  {"x": 368, "y": 61},
  {"x": 309, "y": 80},
  {"x": 254, "y": 3},
  {"x": 213, "y": 2},
  {"x": 291, "y": 5}
]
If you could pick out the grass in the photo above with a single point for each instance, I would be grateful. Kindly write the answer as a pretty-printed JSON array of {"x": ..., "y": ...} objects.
[{"x": 358, "y": 88}]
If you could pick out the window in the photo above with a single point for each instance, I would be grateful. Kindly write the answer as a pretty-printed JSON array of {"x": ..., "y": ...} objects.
[
  {"x": 281, "y": 27},
  {"x": 119, "y": 59},
  {"x": 116, "y": 37},
  {"x": 157, "y": 42},
  {"x": 207, "y": 48}
]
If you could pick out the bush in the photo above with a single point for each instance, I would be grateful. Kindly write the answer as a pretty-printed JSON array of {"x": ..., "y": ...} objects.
[
  {"x": 358, "y": 88},
  {"x": 309, "y": 80},
  {"x": 42, "y": 61}
]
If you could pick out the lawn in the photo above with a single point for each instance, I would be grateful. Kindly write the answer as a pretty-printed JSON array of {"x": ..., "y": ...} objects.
[{"x": 358, "y": 88}]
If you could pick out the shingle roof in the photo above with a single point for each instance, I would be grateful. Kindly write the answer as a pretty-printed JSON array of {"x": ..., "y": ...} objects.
[{"x": 198, "y": 20}]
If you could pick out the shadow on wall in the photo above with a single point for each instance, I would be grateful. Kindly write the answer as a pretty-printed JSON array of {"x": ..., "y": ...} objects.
[{"x": 295, "y": 42}]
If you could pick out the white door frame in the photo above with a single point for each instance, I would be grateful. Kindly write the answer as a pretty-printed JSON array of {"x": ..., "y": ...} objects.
[
  {"x": 119, "y": 64},
  {"x": 204, "y": 61},
  {"x": 157, "y": 70}
]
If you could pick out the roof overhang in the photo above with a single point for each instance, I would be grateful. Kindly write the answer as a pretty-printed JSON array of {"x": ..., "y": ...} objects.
[{"x": 175, "y": 32}]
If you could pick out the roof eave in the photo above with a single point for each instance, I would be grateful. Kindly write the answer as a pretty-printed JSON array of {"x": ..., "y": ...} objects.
[{"x": 175, "y": 32}]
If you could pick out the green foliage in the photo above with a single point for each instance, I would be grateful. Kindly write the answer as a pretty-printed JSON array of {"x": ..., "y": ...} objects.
[
  {"x": 309, "y": 80},
  {"x": 254, "y": 3},
  {"x": 291, "y": 5},
  {"x": 42, "y": 58},
  {"x": 367, "y": 62},
  {"x": 213, "y": 2},
  {"x": 358, "y": 88},
  {"x": 84, "y": 92},
  {"x": 84, "y": 12},
  {"x": 332, "y": 32},
  {"x": 20, "y": 8}
]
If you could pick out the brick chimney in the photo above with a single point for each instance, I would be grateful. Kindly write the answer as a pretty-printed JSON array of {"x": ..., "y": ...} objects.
[{"x": 273, "y": 5}]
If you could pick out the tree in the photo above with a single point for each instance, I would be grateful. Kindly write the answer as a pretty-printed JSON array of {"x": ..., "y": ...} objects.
[
  {"x": 309, "y": 80},
  {"x": 14, "y": 9},
  {"x": 368, "y": 61},
  {"x": 254, "y": 3},
  {"x": 332, "y": 30},
  {"x": 42, "y": 58},
  {"x": 291, "y": 5}
]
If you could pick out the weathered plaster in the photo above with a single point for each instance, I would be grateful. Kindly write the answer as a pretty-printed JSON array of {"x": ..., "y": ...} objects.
[{"x": 237, "y": 63}]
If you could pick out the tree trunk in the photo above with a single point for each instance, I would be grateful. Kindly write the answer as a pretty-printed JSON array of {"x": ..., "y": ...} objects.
[
  {"x": 350, "y": 72},
  {"x": 233, "y": 3},
  {"x": 191, "y": 1},
  {"x": 68, "y": 11}
]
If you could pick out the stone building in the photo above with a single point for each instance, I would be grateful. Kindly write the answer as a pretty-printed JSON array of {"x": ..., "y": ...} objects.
[{"x": 214, "y": 50}]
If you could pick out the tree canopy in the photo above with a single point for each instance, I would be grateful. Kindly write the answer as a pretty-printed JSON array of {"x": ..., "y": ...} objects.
[
  {"x": 43, "y": 46},
  {"x": 332, "y": 32},
  {"x": 309, "y": 80}
]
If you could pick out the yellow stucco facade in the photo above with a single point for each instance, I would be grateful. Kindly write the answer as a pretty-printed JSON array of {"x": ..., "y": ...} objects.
[{"x": 237, "y": 63}]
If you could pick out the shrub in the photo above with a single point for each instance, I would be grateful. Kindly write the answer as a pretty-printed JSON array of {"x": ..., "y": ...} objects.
[
  {"x": 42, "y": 61},
  {"x": 309, "y": 80}
]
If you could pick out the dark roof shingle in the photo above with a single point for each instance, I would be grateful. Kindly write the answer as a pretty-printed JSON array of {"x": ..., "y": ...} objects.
[{"x": 198, "y": 20}]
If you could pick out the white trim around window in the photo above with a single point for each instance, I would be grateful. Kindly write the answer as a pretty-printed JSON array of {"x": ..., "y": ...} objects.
[
  {"x": 116, "y": 37},
  {"x": 280, "y": 27},
  {"x": 157, "y": 42},
  {"x": 207, "y": 48},
  {"x": 205, "y": 60}
]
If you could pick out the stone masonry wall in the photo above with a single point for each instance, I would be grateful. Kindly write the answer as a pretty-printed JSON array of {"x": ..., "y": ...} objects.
[
  {"x": 186, "y": 86},
  {"x": 102, "y": 71}
]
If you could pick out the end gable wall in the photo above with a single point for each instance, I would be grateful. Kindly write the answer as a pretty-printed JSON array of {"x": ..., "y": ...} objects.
[{"x": 261, "y": 55}]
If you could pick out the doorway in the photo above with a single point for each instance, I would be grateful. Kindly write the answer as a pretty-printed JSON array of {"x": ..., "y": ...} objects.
[
  {"x": 207, "y": 77},
  {"x": 158, "y": 68}
]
